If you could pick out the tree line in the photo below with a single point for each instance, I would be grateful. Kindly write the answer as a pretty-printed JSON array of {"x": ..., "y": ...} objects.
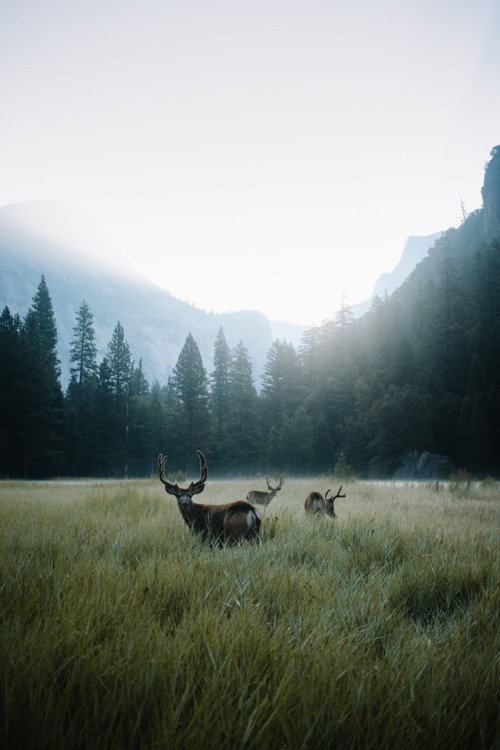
[{"x": 419, "y": 371}]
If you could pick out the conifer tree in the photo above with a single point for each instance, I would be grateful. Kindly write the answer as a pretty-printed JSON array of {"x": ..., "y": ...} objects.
[
  {"x": 220, "y": 379},
  {"x": 322, "y": 446},
  {"x": 120, "y": 367},
  {"x": 190, "y": 385},
  {"x": 308, "y": 356},
  {"x": 344, "y": 317},
  {"x": 242, "y": 433},
  {"x": 219, "y": 397},
  {"x": 83, "y": 349},
  {"x": 120, "y": 362},
  {"x": 296, "y": 443},
  {"x": 105, "y": 424},
  {"x": 157, "y": 428},
  {"x": 447, "y": 330},
  {"x": 44, "y": 316},
  {"x": 12, "y": 395},
  {"x": 281, "y": 385},
  {"x": 42, "y": 416},
  {"x": 80, "y": 395}
]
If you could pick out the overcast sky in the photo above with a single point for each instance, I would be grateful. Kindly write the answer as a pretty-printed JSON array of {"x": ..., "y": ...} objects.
[{"x": 268, "y": 154}]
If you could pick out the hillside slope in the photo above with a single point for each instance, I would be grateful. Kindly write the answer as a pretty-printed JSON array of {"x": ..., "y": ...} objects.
[{"x": 39, "y": 238}]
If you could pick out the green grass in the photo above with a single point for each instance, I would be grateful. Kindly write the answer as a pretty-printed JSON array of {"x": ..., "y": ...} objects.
[{"x": 120, "y": 629}]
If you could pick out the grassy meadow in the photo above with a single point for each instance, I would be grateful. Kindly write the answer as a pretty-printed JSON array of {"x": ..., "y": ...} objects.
[{"x": 378, "y": 629}]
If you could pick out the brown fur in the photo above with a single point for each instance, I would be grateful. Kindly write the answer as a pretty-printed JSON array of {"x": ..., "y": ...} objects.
[
  {"x": 222, "y": 524},
  {"x": 317, "y": 504},
  {"x": 259, "y": 497}
]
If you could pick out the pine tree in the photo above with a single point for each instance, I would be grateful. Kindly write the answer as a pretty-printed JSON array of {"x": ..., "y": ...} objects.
[
  {"x": 120, "y": 368},
  {"x": 157, "y": 429},
  {"x": 105, "y": 434},
  {"x": 41, "y": 416},
  {"x": 308, "y": 356},
  {"x": 220, "y": 379},
  {"x": 322, "y": 446},
  {"x": 281, "y": 385},
  {"x": 139, "y": 386},
  {"x": 473, "y": 438},
  {"x": 171, "y": 438},
  {"x": 447, "y": 332},
  {"x": 44, "y": 315},
  {"x": 120, "y": 362},
  {"x": 83, "y": 350},
  {"x": 80, "y": 395},
  {"x": 344, "y": 318},
  {"x": 296, "y": 443},
  {"x": 12, "y": 395},
  {"x": 190, "y": 386},
  {"x": 242, "y": 433}
]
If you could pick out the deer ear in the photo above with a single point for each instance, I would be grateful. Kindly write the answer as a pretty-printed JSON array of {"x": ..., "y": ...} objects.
[
  {"x": 196, "y": 489},
  {"x": 172, "y": 489}
]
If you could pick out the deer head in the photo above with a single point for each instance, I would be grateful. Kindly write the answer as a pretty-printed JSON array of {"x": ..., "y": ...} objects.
[
  {"x": 274, "y": 490},
  {"x": 184, "y": 495},
  {"x": 230, "y": 523},
  {"x": 317, "y": 504},
  {"x": 264, "y": 498},
  {"x": 330, "y": 509}
]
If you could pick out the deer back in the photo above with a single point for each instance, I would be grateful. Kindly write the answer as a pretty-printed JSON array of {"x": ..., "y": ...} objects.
[
  {"x": 259, "y": 497},
  {"x": 315, "y": 503},
  {"x": 229, "y": 523}
]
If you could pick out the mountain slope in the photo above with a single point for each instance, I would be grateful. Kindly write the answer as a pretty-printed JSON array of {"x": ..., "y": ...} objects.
[
  {"x": 415, "y": 249},
  {"x": 38, "y": 238}
]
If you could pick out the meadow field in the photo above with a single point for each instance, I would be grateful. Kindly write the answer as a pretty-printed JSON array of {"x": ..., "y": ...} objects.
[{"x": 377, "y": 629}]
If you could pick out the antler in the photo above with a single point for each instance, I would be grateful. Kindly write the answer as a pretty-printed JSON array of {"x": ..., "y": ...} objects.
[
  {"x": 336, "y": 496},
  {"x": 171, "y": 488},
  {"x": 161, "y": 472},
  {"x": 274, "y": 489},
  {"x": 203, "y": 472}
]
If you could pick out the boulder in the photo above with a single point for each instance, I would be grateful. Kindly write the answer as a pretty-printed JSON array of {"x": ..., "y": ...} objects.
[{"x": 423, "y": 465}]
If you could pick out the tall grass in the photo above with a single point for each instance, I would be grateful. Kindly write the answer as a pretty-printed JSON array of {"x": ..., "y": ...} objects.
[{"x": 120, "y": 629}]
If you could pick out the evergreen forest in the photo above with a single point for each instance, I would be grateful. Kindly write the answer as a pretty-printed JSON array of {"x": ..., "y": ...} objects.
[{"x": 420, "y": 371}]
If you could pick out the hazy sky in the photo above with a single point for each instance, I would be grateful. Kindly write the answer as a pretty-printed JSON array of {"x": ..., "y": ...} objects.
[{"x": 253, "y": 154}]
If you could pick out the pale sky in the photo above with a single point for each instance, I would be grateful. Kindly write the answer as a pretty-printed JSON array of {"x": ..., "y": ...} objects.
[{"x": 264, "y": 154}]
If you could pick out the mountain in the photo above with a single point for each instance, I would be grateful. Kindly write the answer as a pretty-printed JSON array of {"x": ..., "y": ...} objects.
[
  {"x": 491, "y": 197},
  {"x": 415, "y": 249},
  {"x": 74, "y": 254}
]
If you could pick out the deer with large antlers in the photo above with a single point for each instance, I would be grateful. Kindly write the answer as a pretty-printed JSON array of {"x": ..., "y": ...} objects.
[
  {"x": 316, "y": 503},
  {"x": 264, "y": 498},
  {"x": 230, "y": 523}
]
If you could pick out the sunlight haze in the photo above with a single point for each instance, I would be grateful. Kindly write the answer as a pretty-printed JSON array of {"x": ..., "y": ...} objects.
[{"x": 269, "y": 155}]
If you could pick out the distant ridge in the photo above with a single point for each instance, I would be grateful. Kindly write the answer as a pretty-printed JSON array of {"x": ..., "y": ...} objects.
[
  {"x": 38, "y": 238},
  {"x": 415, "y": 249},
  {"x": 75, "y": 255}
]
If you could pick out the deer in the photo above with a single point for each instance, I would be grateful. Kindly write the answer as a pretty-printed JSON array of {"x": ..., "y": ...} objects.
[
  {"x": 317, "y": 504},
  {"x": 222, "y": 524},
  {"x": 264, "y": 498}
]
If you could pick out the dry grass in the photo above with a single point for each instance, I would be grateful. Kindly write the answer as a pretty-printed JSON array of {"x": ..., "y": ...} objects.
[{"x": 120, "y": 629}]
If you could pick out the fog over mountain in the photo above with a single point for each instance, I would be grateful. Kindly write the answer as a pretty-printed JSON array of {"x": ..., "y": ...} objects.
[
  {"x": 39, "y": 238},
  {"x": 414, "y": 250},
  {"x": 73, "y": 253}
]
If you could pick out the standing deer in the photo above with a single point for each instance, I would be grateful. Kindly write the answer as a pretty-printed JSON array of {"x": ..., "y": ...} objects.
[
  {"x": 264, "y": 498},
  {"x": 229, "y": 523},
  {"x": 316, "y": 503}
]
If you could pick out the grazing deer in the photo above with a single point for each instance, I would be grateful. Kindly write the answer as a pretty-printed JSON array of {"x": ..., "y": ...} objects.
[
  {"x": 316, "y": 503},
  {"x": 228, "y": 523},
  {"x": 264, "y": 498}
]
